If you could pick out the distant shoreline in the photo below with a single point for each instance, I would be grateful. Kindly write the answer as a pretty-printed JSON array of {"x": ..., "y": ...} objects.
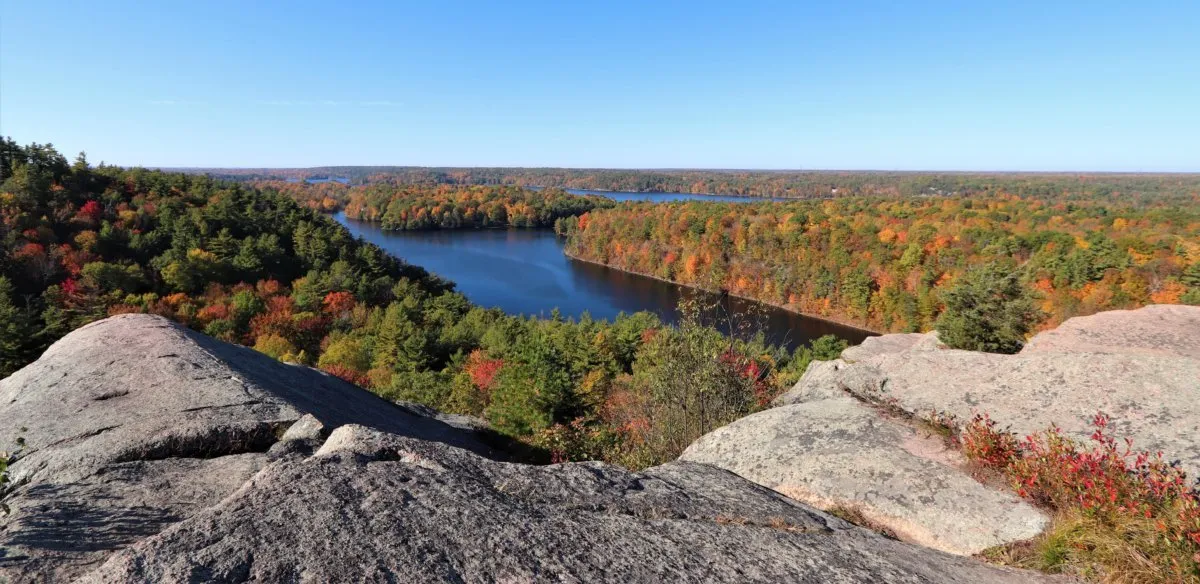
[{"x": 822, "y": 318}]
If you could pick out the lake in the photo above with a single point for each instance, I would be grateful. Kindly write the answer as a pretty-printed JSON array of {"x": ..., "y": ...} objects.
[{"x": 523, "y": 271}]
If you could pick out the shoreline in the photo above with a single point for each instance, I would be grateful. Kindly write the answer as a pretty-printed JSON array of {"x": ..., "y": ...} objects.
[
  {"x": 763, "y": 302},
  {"x": 573, "y": 257}
]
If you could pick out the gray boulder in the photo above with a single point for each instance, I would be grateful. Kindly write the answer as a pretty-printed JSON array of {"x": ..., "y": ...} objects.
[
  {"x": 159, "y": 455},
  {"x": 840, "y": 453},
  {"x": 133, "y": 422},
  {"x": 884, "y": 344}
]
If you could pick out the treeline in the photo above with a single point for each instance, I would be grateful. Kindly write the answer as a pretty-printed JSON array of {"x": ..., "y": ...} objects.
[
  {"x": 326, "y": 197},
  {"x": 886, "y": 263},
  {"x": 255, "y": 267},
  {"x": 415, "y": 207},
  {"x": 424, "y": 207},
  {"x": 1110, "y": 187}
]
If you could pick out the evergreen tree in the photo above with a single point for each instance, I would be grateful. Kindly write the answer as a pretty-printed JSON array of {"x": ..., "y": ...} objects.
[
  {"x": 12, "y": 331},
  {"x": 400, "y": 344},
  {"x": 1191, "y": 276},
  {"x": 535, "y": 390},
  {"x": 988, "y": 310}
]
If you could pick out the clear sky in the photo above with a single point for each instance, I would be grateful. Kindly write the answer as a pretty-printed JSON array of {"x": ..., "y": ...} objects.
[{"x": 1006, "y": 85}]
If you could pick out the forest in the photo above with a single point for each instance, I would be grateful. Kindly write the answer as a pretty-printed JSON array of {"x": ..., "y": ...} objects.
[
  {"x": 881, "y": 263},
  {"x": 260, "y": 264},
  {"x": 253, "y": 266},
  {"x": 448, "y": 207},
  {"x": 427, "y": 207},
  {"x": 1108, "y": 187},
  {"x": 885, "y": 263}
]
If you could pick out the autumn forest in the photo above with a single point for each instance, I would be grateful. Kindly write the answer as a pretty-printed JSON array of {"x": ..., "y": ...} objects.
[{"x": 253, "y": 258}]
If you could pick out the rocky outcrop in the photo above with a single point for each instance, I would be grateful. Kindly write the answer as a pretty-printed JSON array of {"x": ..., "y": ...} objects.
[
  {"x": 133, "y": 422},
  {"x": 155, "y": 454},
  {"x": 369, "y": 506},
  {"x": 1166, "y": 329},
  {"x": 1139, "y": 366},
  {"x": 833, "y": 440},
  {"x": 840, "y": 454}
]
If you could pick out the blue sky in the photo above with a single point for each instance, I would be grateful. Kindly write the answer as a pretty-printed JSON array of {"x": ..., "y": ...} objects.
[{"x": 856, "y": 85}]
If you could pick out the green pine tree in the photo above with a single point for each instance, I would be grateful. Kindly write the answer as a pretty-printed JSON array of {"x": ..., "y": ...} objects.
[
  {"x": 989, "y": 310},
  {"x": 12, "y": 331}
]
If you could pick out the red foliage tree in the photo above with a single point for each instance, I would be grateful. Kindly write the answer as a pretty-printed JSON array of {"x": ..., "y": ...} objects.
[
  {"x": 482, "y": 369},
  {"x": 91, "y": 212},
  {"x": 338, "y": 304}
]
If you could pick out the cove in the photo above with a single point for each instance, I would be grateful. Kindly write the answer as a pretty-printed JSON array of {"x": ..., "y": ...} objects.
[{"x": 524, "y": 271}]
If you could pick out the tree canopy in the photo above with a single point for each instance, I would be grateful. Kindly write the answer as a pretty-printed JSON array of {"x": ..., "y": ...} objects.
[{"x": 253, "y": 266}]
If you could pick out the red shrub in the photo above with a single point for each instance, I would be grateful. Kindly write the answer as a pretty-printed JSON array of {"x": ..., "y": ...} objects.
[
  {"x": 752, "y": 372},
  {"x": 281, "y": 305},
  {"x": 212, "y": 312},
  {"x": 268, "y": 288},
  {"x": 338, "y": 304},
  {"x": 30, "y": 251},
  {"x": 482, "y": 369},
  {"x": 91, "y": 211},
  {"x": 648, "y": 335},
  {"x": 1106, "y": 480},
  {"x": 981, "y": 442},
  {"x": 356, "y": 377},
  {"x": 272, "y": 322},
  {"x": 309, "y": 330}
]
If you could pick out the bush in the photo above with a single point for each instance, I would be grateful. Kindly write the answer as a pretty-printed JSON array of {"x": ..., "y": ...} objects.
[
  {"x": 1120, "y": 514},
  {"x": 581, "y": 439},
  {"x": 7, "y": 458},
  {"x": 695, "y": 380},
  {"x": 828, "y": 347},
  {"x": 988, "y": 310},
  {"x": 274, "y": 346}
]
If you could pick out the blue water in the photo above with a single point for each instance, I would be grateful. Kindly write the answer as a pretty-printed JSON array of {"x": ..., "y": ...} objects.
[{"x": 523, "y": 271}]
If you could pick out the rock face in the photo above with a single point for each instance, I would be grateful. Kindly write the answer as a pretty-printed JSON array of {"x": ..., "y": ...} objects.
[
  {"x": 134, "y": 422},
  {"x": 159, "y": 455},
  {"x": 369, "y": 506},
  {"x": 1142, "y": 367},
  {"x": 824, "y": 445},
  {"x": 839, "y": 453},
  {"x": 1165, "y": 329}
]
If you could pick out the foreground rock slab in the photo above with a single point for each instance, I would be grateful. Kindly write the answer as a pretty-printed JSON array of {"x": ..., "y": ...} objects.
[
  {"x": 370, "y": 506},
  {"x": 1140, "y": 366},
  {"x": 840, "y": 453},
  {"x": 159, "y": 455},
  {"x": 134, "y": 422}
]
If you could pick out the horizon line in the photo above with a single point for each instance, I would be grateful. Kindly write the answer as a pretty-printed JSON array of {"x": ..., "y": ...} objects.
[{"x": 655, "y": 169}]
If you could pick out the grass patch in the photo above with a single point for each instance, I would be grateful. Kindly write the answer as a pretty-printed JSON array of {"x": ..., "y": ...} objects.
[{"x": 855, "y": 515}]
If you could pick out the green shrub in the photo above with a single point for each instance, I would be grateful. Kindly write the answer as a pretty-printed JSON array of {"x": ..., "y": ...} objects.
[{"x": 988, "y": 310}]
